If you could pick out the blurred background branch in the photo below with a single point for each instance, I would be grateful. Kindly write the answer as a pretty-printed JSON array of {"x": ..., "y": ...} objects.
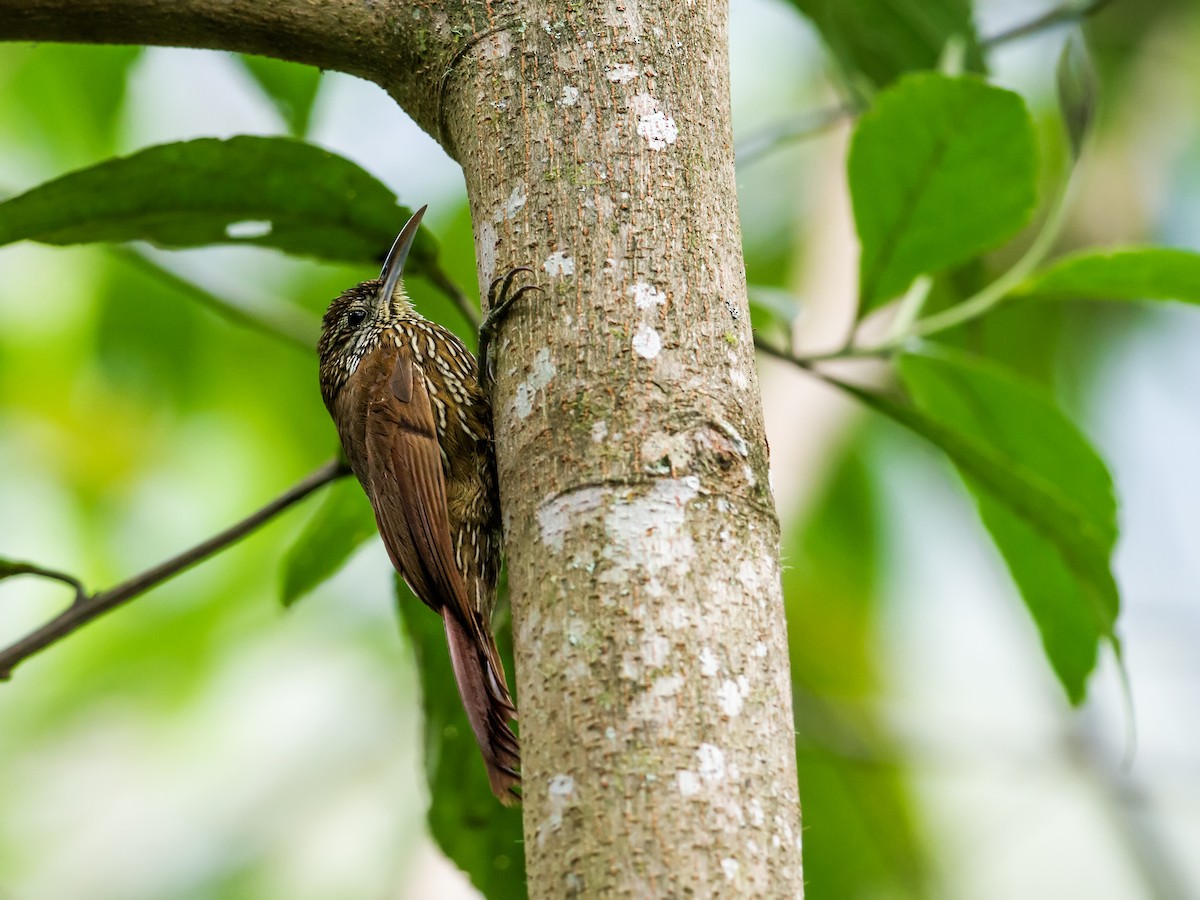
[{"x": 89, "y": 606}]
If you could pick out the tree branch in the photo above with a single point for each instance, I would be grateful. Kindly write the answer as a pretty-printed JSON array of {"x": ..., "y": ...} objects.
[
  {"x": 86, "y": 608},
  {"x": 408, "y": 53}
]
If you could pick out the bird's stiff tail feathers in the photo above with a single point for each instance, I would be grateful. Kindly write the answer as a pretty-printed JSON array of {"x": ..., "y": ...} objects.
[{"x": 489, "y": 706}]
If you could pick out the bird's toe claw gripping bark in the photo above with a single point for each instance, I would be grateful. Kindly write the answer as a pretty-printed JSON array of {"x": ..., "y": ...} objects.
[{"x": 501, "y": 298}]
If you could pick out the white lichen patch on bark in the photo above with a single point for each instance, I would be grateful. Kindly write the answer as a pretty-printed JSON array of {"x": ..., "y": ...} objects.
[
  {"x": 543, "y": 372},
  {"x": 570, "y": 96},
  {"x": 559, "y": 263},
  {"x": 658, "y": 129},
  {"x": 688, "y": 782},
  {"x": 620, "y": 73},
  {"x": 646, "y": 343},
  {"x": 514, "y": 202},
  {"x": 646, "y": 533},
  {"x": 756, "y": 575},
  {"x": 561, "y": 791},
  {"x": 647, "y": 296},
  {"x": 558, "y": 515},
  {"x": 729, "y": 696},
  {"x": 599, "y": 431},
  {"x": 667, "y": 686},
  {"x": 730, "y": 867},
  {"x": 496, "y": 46},
  {"x": 625, "y": 16},
  {"x": 757, "y": 817},
  {"x": 712, "y": 763},
  {"x": 643, "y": 104},
  {"x": 708, "y": 662},
  {"x": 485, "y": 248}
]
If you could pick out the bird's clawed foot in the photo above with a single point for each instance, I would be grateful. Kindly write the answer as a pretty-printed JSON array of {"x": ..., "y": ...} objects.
[{"x": 501, "y": 298}]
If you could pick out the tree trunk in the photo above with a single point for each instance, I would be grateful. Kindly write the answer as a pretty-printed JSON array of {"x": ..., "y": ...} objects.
[{"x": 642, "y": 541}]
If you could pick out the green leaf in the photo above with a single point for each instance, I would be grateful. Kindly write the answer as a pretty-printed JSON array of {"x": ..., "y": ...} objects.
[
  {"x": 481, "y": 836},
  {"x": 342, "y": 522},
  {"x": 264, "y": 191},
  {"x": 1042, "y": 491},
  {"x": 1067, "y": 583},
  {"x": 290, "y": 86},
  {"x": 940, "y": 170},
  {"x": 1130, "y": 273},
  {"x": 883, "y": 39}
]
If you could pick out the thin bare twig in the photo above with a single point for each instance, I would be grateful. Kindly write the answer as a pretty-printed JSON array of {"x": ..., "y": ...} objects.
[
  {"x": 798, "y": 128},
  {"x": 10, "y": 569},
  {"x": 1061, "y": 15},
  {"x": 86, "y": 608},
  {"x": 769, "y": 349}
]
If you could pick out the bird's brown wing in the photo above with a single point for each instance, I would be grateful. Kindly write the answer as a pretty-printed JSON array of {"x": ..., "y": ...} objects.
[{"x": 408, "y": 489}]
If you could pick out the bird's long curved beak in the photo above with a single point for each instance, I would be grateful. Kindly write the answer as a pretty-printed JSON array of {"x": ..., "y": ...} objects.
[{"x": 393, "y": 266}]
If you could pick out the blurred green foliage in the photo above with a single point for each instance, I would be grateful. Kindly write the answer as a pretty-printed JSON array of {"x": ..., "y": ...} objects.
[
  {"x": 338, "y": 527},
  {"x": 853, "y": 795},
  {"x": 291, "y": 87},
  {"x": 156, "y": 422},
  {"x": 481, "y": 836},
  {"x": 877, "y": 41}
]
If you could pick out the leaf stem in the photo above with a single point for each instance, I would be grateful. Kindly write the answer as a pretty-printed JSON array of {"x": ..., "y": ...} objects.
[
  {"x": 439, "y": 279},
  {"x": 997, "y": 291},
  {"x": 88, "y": 607},
  {"x": 910, "y": 307},
  {"x": 904, "y": 330},
  {"x": 295, "y": 329},
  {"x": 797, "y": 128}
]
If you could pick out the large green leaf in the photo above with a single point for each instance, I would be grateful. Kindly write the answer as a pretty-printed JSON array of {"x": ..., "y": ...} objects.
[
  {"x": 265, "y": 191},
  {"x": 291, "y": 87},
  {"x": 940, "y": 170},
  {"x": 1043, "y": 493},
  {"x": 883, "y": 39},
  {"x": 1128, "y": 273},
  {"x": 860, "y": 839},
  {"x": 1068, "y": 587},
  {"x": 342, "y": 522},
  {"x": 483, "y": 838}
]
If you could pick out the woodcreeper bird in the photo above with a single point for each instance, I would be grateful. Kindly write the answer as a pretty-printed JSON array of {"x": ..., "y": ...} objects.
[{"x": 412, "y": 410}]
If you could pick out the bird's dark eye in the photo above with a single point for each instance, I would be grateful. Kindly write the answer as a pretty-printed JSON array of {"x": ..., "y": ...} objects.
[{"x": 355, "y": 317}]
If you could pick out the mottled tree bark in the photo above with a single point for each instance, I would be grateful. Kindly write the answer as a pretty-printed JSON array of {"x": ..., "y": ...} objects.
[{"x": 642, "y": 540}]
